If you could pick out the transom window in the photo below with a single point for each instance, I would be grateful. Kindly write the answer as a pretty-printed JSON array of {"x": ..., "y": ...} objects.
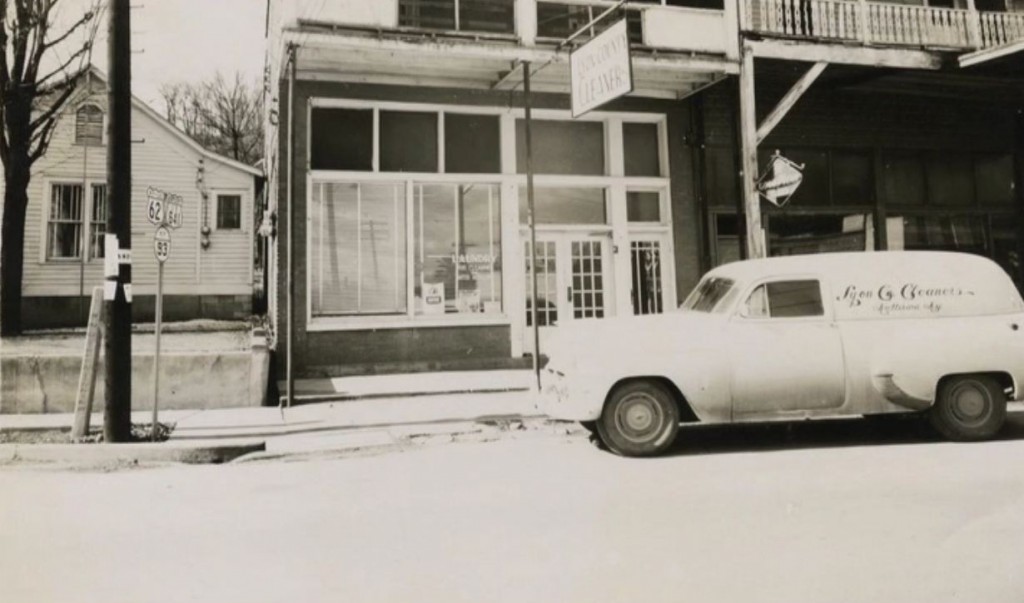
[
  {"x": 785, "y": 299},
  {"x": 372, "y": 140}
]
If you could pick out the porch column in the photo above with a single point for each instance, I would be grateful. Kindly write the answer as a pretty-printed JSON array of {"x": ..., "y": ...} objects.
[
  {"x": 526, "y": 21},
  {"x": 748, "y": 164}
]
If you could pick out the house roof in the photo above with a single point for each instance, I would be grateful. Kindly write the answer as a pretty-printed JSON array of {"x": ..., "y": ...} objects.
[{"x": 162, "y": 121}]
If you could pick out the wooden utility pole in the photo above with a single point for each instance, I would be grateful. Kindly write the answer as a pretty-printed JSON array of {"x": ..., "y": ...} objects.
[{"x": 117, "y": 317}]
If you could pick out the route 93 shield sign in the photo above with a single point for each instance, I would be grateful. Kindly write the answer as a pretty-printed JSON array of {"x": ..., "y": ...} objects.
[{"x": 162, "y": 244}]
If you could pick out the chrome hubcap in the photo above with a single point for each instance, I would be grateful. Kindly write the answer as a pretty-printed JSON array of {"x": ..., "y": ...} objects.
[
  {"x": 971, "y": 404},
  {"x": 639, "y": 418}
]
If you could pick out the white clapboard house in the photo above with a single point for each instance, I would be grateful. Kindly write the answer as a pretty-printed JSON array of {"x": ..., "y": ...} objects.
[{"x": 209, "y": 273}]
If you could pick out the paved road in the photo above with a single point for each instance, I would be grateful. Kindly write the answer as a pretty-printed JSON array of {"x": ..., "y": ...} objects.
[{"x": 825, "y": 513}]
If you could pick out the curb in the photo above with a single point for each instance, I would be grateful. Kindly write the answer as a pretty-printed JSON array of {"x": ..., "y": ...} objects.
[
  {"x": 343, "y": 397},
  {"x": 162, "y": 452}
]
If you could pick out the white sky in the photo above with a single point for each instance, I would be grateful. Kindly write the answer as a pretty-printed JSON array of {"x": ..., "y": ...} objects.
[{"x": 185, "y": 40}]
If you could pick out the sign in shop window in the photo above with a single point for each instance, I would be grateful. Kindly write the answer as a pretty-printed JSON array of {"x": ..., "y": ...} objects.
[{"x": 457, "y": 243}]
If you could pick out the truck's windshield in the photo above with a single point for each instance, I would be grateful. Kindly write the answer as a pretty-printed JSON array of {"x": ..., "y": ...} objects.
[{"x": 709, "y": 293}]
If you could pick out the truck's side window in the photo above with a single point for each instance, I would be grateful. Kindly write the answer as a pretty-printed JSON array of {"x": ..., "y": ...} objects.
[{"x": 785, "y": 299}]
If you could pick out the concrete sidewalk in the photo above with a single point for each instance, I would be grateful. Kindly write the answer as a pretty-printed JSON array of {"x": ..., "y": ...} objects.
[{"x": 372, "y": 412}]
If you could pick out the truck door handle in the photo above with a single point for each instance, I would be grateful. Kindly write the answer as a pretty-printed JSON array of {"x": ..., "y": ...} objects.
[{"x": 568, "y": 294}]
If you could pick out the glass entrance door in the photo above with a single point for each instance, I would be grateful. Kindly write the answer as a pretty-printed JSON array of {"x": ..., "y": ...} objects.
[{"x": 572, "y": 281}]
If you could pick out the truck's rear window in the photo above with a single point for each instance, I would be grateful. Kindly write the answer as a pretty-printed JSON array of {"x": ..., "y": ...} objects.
[{"x": 708, "y": 294}]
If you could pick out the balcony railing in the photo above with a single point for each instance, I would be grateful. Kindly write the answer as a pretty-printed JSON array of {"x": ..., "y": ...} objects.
[
  {"x": 883, "y": 24},
  {"x": 1000, "y": 28}
]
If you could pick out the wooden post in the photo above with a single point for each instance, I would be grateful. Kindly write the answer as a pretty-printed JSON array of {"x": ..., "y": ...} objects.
[
  {"x": 531, "y": 220},
  {"x": 156, "y": 351},
  {"x": 87, "y": 374},
  {"x": 864, "y": 17},
  {"x": 974, "y": 25},
  {"x": 748, "y": 166},
  {"x": 117, "y": 313}
]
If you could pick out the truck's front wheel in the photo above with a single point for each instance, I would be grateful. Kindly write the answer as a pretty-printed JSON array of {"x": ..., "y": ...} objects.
[
  {"x": 640, "y": 418},
  {"x": 969, "y": 407}
]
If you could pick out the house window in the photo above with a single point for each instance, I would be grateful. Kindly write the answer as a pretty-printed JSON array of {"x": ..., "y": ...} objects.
[
  {"x": 89, "y": 125},
  {"x": 64, "y": 229},
  {"x": 98, "y": 220},
  {"x": 66, "y": 225},
  {"x": 229, "y": 212}
]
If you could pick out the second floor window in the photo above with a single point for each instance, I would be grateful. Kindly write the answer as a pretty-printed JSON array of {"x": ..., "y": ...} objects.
[
  {"x": 487, "y": 16},
  {"x": 89, "y": 125}
]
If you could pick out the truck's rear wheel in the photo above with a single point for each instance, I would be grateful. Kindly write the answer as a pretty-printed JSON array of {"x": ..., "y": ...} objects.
[
  {"x": 969, "y": 407},
  {"x": 640, "y": 418}
]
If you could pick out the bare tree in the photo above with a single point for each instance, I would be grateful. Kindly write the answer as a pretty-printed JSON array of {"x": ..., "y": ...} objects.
[
  {"x": 221, "y": 115},
  {"x": 39, "y": 71}
]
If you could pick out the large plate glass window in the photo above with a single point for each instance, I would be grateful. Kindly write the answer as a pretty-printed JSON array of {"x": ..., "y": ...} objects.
[
  {"x": 358, "y": 249},
  {"x": 457, "y": 249}
]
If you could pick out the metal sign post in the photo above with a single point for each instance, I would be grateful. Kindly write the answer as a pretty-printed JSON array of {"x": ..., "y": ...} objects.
[{"x": 164, "y": 211}]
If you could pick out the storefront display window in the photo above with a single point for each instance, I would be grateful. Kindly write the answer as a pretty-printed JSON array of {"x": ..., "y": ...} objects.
[
  {"x": 938, "y": 233},
  {"x": 994, "y": 177},
  {"x": 950, "y": 180},
  {"x": 358, "y": 249},
  {"x": 565, "y": 205},
  {"x": 457, "y": 246},
  {"x": 904, "y": 180},
  {"x": 853, "y": 181},
  {"x": 819, "y": 233}
]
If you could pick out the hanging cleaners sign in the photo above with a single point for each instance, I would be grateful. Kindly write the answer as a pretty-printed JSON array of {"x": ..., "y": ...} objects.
[
  {"x": 601, "y": 69},
  {"x": 780, "y": 180}
]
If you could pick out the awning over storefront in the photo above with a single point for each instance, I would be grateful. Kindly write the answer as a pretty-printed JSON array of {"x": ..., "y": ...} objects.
[{"x": 485, "y": 65}]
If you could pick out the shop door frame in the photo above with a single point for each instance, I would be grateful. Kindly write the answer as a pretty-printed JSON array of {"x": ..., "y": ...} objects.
[{"x": 563, "y": 238}]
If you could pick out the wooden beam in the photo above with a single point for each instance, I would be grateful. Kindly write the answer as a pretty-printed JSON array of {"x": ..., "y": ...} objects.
[
  {"x": 816, "y": 52},
  {"x": 988, "y": 54},
  {"x": 788, "y": 101},
  {"x": 748, "y": 165}
]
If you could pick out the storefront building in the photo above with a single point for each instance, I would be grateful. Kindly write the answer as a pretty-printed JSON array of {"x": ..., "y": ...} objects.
[{"x": 407, "y": 159}]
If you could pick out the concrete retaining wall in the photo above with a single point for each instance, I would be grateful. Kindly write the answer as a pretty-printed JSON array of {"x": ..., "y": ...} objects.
[{"x": 200, "y": 380}]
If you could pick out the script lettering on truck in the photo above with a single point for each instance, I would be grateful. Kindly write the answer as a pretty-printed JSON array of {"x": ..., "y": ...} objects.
[{"x": 899, "y": 298}]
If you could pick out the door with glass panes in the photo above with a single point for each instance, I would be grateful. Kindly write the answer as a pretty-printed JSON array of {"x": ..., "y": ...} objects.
[{"x": 573, "y": 281}]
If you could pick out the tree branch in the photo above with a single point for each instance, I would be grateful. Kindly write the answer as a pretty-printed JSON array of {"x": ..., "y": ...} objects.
[{"x": 57, "y": 105}]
